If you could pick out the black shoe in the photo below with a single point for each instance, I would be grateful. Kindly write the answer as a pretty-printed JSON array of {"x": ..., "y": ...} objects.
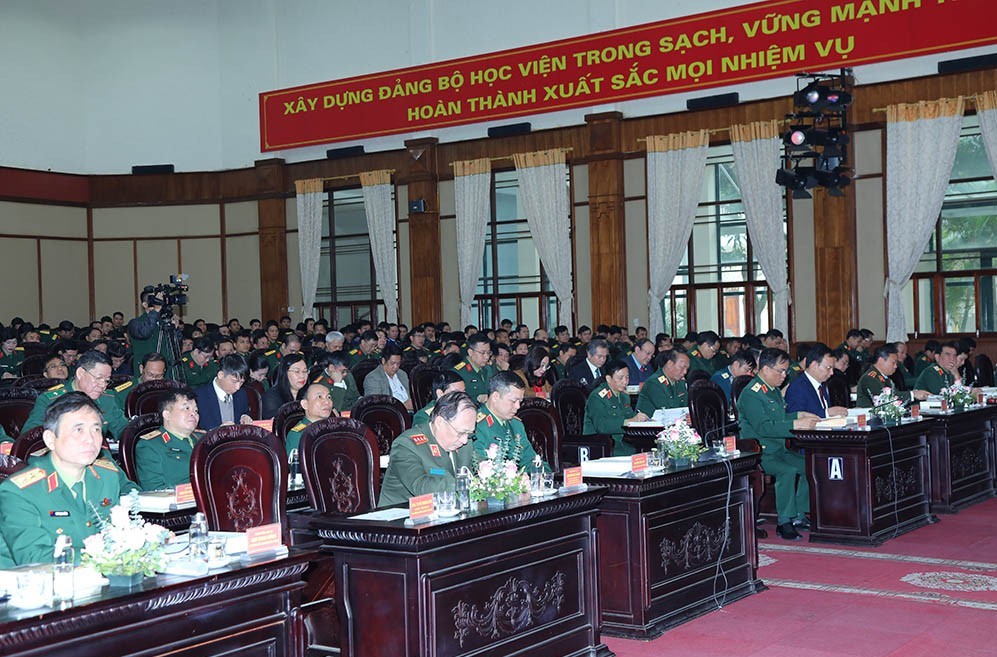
[
  {"x": 802, "y": 524},
  {"x": 787, "y": 532}
]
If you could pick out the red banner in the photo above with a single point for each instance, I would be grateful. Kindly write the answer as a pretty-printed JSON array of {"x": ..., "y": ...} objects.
[{"x": 742, "y": 44}]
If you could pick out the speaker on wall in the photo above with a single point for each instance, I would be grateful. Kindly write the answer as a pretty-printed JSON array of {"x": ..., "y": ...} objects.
[
  {"x": 967, "y": 64},
  {"x": 713, "y": 102},
  {"x": 510, "y": 130},
  {"x": 417, "y": 206},
  {"x": 151, "y": 168},
  {"x": 346, "y": 151}
]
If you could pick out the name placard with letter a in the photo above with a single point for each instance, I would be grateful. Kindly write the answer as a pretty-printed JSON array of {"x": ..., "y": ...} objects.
[{"x": 835, "y": 468}]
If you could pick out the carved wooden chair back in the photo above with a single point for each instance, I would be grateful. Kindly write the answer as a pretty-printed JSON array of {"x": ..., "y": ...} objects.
[
  {"x": 146, "y": 396},
  {"x": 420, "y": 381},
  {"x": 340, "y": 465},
  {"x": 15, "y": 407},
  {"x": 128, "y": 440},
  {"x": 544, "y": 429},
  {"x": 386, "y": 416},
  {"x": 569, "y": 398},
  {"x": 286, "y": 417}
]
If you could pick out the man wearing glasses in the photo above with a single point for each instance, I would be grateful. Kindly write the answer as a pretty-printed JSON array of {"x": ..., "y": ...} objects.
[
  {"x": 474, "y": 368},
  {"x": 427, "y": 458},
  {"x": 93, "y": 372},
  {"x": 763, "y": 416},
  {"x": 885, "y": 363},
  {"x": 809, "y": 392}
]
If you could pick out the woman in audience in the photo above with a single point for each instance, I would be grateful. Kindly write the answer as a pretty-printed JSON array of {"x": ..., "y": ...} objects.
[
  {"x": 259, "y": 368},
  {"x": 292, "y": 375},
  {"x": 534, "y": 373},
  {"x": 608, "y": 408}
]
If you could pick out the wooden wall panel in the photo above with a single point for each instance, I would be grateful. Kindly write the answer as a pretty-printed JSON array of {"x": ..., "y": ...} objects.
[
  {"x": 272, "y": 213},
  {"x": 424, "y": 233},
  {"x": 200, "y": 259},
  {"x": 114, "y": 278},
  {"x": 834, "y": 265},
  {"x": 65, "y": 294},
  {"x": 20, "y": 260},
  {"x": 36, "y": 219},
  {"x": 156, "y": 221},
  {"x": 607, "y": 224}
]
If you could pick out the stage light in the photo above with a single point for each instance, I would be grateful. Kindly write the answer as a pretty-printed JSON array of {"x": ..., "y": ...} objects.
[
  {"x": 800, "y": 137},
  {"x": 799, "y": 180},
  {"x": 834, "y": 180},
  {"x": 817, "y": 97}
]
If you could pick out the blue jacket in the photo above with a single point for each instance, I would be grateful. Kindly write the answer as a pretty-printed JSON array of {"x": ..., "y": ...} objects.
[
  {"x": 724, "y": 379},
  {"x": 637, "y": 376},
  {"x": 209, "y": 411},
  {"x": 801, "y": 396}
]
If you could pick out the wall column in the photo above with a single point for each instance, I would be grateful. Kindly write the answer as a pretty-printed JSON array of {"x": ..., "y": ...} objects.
[
  {"x": 835, "y": 265},
  {"x": 607, "y": 222},
  {"x": 270, "y": 176},
  {"x": 424, "y": 231}
]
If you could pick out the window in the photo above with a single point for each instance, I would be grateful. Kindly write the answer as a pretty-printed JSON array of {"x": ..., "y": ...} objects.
[
  {"x": 955, "y": 283},
  {"x": 719, "y": 284},
  {"x": 347, "y": 290},
  {"x": 512, "y": 284}
]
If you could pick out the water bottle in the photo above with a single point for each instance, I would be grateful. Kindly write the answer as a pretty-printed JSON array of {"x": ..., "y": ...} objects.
[
  {"x": 293, "y": 467},
  {"x": 536, "y": 473},
  {"x": 198, "y": 535},
  {"x": 464, "y": 490},
  {"x": 63, "y": 566}
]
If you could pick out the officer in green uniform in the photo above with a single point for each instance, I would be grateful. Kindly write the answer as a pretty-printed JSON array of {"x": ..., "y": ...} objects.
[
  {"x": 198, "y": 366},
  {"x": 144, "y": 332},
  {"x": 365, "y": 350},
  {"x": 926, "y": 358},
  {"x": 92, "y": 374},
  {"x": 152, "y": 369},
  {"x": 763, "y": 416},
  {"x": 474, "y": 369},
  {"x": 853, "y": 345},
  {"x": 444, "y": 382},
  {"x": 416, "y": 350},
  {"x": 701, "y": 357},
  {"x": 337, "y": 377},
  {"x": 608, "y": 408},
  {"x": 427, "y": 458},
  {"x": 908, "y": 376},
  {"x": 497, "y": 422},
  {"x": 316, "y": 401},
  {"x": 64, "y": 491},
  {"x": 162, "y": 456},
  {"x": 563, "y": 353},
  {"x": 877, "y": 377},
  {"x": 939, "y": 375},
  {"x": 11, "y": 356},
  {"x": 666, "y": 388},
  {"x": 273, "y": 355}
]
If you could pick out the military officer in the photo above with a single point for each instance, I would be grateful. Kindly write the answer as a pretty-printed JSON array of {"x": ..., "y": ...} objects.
[
  {"x": 666, "y": 388},
  {"x": 316, "y": 401},
  {"x": 742, "y": 363},
  {"x": 853, "y": 345},
  {"x": 608, "y": 408},
  {"x": 152, "y": 368},
  {"x": 291, "y": 345},
  {"x": 92, "y": 375},
  {"x": 763, "y": 416},
  {"x": 474, "y": 369},
  {"x": 12, "y": 355},
  {"x": 428, "y": 457},
  {"x": 337, "y": 377},
  {"x": 701, "y": 357},
  {"x": 444, "y": 382},
  {"x": 366, "y": 349},
  {"x": 905, "y": 372},
  {"x": 162, "y": 456},
  {"x": 497, "y": 422},
  {"x": 416, "y": 350},
  {"x": 926, "y": 358},
  {"x": 65, "y": 491},
  {"x": 198, "y": 366},
  {"x": 940, "y": 375},
  {"x": 877, "y": 377}
]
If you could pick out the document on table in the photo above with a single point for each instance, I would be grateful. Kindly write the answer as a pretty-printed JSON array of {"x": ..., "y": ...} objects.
[{"x": 382, "y": 514}]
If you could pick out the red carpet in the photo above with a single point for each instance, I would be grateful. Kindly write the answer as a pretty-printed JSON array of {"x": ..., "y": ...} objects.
[{"x": 932, "y": 592}]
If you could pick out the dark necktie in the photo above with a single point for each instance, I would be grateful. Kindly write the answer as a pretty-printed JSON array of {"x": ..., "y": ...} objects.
[{"x": 823, "y": 395}]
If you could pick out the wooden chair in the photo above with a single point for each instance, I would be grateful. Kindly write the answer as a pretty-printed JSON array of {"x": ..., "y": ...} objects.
[
  {"x": 34, "y": 364},
  {"x": 27, "y": 443},
  {"x": 37, "y": 382},
  {"x": 362, "y": 369},
  {"x": 286, "y": 417},
  {"x": 117, "y": 380},
  {"x": 146, "y": 396},
  {"x": 544, "y": 429},
  {"x": 762, "y": 484},
  {"x": 420, "y": 381},
  {"x": 340, "y": 465},
  {"x": 708, "y": 411},
  {"x": 736, "y": 386},
  {"x": 35, "y": 349},
  {"x": 15, "y": 407},
  {"x": 254, "y": 395},
  {"x": 569, "y": 398},
  {"x": 386, "y": 416},
  {"x": 984, "y": 370},
  {"x": 9, "y": 465},
  {"x": 695, "y": 376},
  {"x": 128, "y": 440},
  {"x": 239, "y": 476}
]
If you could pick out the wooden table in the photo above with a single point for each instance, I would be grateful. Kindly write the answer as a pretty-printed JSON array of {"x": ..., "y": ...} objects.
[
  {"x": 660, "y": 541},
  {"x": 241, "y": 611},
  {"x": 178, "y": 522},
  {"x": 523, "y": 581},
  {"x": 867, "y": 485},
  {"x": 960, "y": 452}
]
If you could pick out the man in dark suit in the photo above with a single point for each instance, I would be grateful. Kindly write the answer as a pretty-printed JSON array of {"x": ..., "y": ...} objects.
[
  {"x": 809, "y": 392},
  {"x": 223, "y": 401},
  {"x": 588, "y": 372},
  {"x": 639, "y": 362}
]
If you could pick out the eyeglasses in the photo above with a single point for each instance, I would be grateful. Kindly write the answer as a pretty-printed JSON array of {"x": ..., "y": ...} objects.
[
  {"x": 54, "y": 366},
  {"x": 481, "y": 351},
  {"x": 460, "y": 434},
  {"x": 99, "y": 379}
]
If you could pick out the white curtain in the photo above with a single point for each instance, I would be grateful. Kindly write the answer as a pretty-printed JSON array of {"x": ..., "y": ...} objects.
[
  {"x": 380, "y": 210},
  {"x": 986, "y": 112},
  {"x": 473, "y": 194},
  {"x": 676, "y": 165},
  {"x": 757, "y": 155},
  {"x": 543, "y": 185},
  {"x": 921, "y": 141},
  {"x": 309, "y": 196}
]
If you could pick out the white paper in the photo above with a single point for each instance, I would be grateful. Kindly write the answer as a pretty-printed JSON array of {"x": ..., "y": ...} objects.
[
  {"x": 382, "y": 514},
  {"x": 613, "y": 466},
  {"x": 385, "y": 459}
]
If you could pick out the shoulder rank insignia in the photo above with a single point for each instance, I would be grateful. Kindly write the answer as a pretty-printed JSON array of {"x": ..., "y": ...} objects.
[
  {"x": 481, "y": 416},
  {"x": 694, "y": 352},
  {"x": 28, "y": 477},
  {"x": 435, "y": 450},
  {"x": 872, "y": 373},
  {"x": 663, "y": 379},
  {"x": 354, "y": 352},
  {"x": 150, "y": 435},
  {"x": 270, "y": 353},
  {"x": 299, "y": 426},
  {"x": 604, "y": 393},
  {"x": 489, "y": 420},
  {"x": 419, "y": 439},
  {"x": 756, "y": 387},
  {"x": 939, "y": 369},
  {"x": 56, "y": 387},
  {"x": 107, "y": 464},
  {"x": 725, "y": 375},
  {"x": 124, "y": 386},
  {"x": 53, "y": 481}
]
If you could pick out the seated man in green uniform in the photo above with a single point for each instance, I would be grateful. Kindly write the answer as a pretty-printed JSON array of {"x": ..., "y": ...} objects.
[
  {"x": 701, "y": 358},
  {"x": 199, "y": 366},
  {"x": 444, "y": 382},
  {"x": 666, "y": 388},
  {"x": 908, "y": 376},
  {"x": 337, "y": 377},
  {"x": 366, "y": 349},
  {"x": 942, "y": 373},
  {"x": 64, "y": 491},
  {"x": 608, "y": 408},
  {"x": 152, "y": 368},
  {"x": 93, "y": 371},
  {"x": 763, "y": 416},
  {"x": 497, "y": 421},
  {"x": 926, "y": 358},
  {"x": 877, "y": 377},
  {"x": 162, "y": 456},
  {"x": 427, "y": 458},
  {"x": 316, "y": 401},
  {"x": 474, "y": 369},
  {"x": 416, "y": 350}
]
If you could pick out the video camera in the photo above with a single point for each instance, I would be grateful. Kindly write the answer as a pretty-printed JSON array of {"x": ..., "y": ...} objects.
[{"x": 166, "y": 295}]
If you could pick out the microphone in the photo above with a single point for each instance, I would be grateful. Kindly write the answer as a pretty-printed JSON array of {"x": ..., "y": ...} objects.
[{"x": 722, "y": 429}]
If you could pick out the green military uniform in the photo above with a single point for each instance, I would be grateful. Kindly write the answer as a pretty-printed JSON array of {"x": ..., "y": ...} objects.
[
  {"x": 272, "y": 357},
  {"x": 419, "y": 465},
  {"x": 908, "y": 378},
  {"x": 11, "y": 363},
  {"x": 933, "y": 379},
  {"x": 661, "y": 392},
  {"x": 560, "y": 369},
  {"x": 475, "y": 381},
  {"x": 509, "y": 435},
  {"x": 293, "y": 437},
  {"x": 36, "y": 505},
  {"x": 122, "y": 391},
  {"x": 198, "y": 375},
  {"x": 605, "y": 412},
  {"x": 720, "y": 360},
  {"x": 422, "y": 415},
  {"x": 871, "y": 384},
  {"x": 921, "y": 363},
  {"x": 143, "y": 346},
  {"x": 698, "y": 362},
  {"x": 854, "y": 355},
  {"x": 356, "y": 356},
  {"x": 114, "y": 417},
  {"x": 795, "y": 369},
  {"x": 416, "y": 353},
  {"x": 763, "y": 416},
  {"x": 343, "y": 396},
  {"x": 162, "y": 459}
]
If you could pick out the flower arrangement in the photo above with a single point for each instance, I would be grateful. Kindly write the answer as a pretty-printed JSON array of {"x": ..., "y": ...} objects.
[
  {"x": 958, "y": 395},
  {"x": 888, "y": 406},
  {"x": 680, "y": 441},
  {"x": 126, "y": 544},
  {"x": 498, "y": 476}
]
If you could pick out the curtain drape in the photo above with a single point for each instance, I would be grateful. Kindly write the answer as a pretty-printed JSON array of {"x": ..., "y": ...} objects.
[
  {"x": 473, "y": 195},
  {"x": 380, "y": 210},
  {"x": 309, "y": 195},
  {"x": 921, "y": 142},
  {"x": 757, "y": 155},
  {"x": 676, "y": 165},
  {"x": 543, "y": 186},
  {"x": 986, "y": 113}
]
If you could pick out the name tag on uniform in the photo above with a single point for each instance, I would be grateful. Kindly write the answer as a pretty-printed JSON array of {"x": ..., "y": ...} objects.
[
  {"x": 437, "y": 472},
  {"x": 58, "y": 514}
]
